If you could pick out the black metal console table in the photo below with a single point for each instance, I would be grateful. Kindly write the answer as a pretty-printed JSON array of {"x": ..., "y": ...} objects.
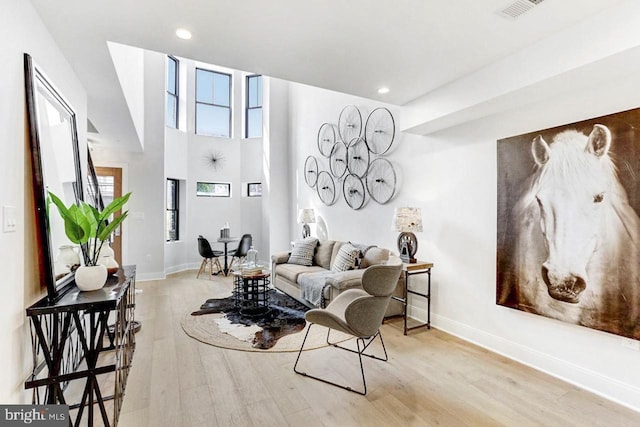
[{"x": 83, "y": 344}]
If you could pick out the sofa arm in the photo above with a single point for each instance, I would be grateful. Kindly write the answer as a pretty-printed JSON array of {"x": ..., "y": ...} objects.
[
  {"x": 345, "y": 279},
  {"x": 280, "y": 257}
]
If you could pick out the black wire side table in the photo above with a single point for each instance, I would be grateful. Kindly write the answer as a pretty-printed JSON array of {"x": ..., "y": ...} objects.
[{"x": 251, "y": 292}]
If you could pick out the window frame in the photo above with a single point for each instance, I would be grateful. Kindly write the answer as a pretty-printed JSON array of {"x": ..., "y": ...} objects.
[
  {"x": 175, "y": 209},
  {"x": 247, "y": 108},
  {"x": 176, "y": 95},
  {"x": 229, "y": 107}
]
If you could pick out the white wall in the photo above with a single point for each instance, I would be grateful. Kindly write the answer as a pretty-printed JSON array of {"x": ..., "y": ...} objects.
[
  {"x": 451, "y": 175},
  {"x": 143, "y": 230},
  {"x": 23, "y": 31}
]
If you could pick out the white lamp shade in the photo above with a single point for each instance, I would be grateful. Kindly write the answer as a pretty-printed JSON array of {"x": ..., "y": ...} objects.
[
  {"x": 407, "y": 220},
  {"x": 306, "y": 216}
]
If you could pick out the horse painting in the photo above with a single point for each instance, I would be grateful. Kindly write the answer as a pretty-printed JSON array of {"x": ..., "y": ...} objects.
[{"x": 575, "y": 239}]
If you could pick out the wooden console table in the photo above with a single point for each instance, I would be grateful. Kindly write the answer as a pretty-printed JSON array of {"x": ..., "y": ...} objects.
[
  {"x": 86, "y": 336},
  {"x": 408, "y": 270}
]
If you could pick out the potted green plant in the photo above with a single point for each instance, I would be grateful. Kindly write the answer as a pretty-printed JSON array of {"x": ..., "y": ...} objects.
[{"x": 90, "y": 228}]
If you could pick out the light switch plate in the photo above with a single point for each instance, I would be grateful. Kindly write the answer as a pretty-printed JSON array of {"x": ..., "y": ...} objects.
[{"x": 9, "y": 222}]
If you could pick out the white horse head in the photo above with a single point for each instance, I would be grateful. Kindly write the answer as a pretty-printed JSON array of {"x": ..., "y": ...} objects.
[{"x": 576, "y": 180}]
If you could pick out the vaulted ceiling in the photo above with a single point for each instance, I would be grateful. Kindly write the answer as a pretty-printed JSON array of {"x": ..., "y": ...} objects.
[{"x": 355, "y": 46}]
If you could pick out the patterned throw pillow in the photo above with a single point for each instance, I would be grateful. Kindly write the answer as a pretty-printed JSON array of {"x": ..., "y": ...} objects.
[
  {"x": 302, "y": 252},
  {"x": 345, "y": 258}
]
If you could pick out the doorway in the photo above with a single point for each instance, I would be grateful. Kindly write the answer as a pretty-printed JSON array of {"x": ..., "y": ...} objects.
[{"x": 110, "y": 183}]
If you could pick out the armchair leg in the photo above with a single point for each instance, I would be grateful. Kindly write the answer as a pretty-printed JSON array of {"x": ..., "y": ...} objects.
[{"x": 362, "y": 345}]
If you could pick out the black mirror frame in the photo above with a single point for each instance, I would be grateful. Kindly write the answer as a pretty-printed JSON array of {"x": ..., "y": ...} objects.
[{"x": 45, "y": 250}]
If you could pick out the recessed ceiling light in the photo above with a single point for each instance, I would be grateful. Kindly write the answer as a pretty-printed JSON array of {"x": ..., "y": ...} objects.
[
  {"x": 183, "y": 34},
  {"x": 383, "y": 90}
]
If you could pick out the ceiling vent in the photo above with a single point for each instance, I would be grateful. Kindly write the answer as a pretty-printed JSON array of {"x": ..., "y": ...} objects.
[{"x": 518, "y": 8}]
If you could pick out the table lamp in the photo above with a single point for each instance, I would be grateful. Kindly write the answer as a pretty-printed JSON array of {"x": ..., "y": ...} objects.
[
  {"x": 306, "y": 216},
  {"x": 406, "y": 221}
]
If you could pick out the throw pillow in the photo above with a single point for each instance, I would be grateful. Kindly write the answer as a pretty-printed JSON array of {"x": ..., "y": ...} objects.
[
  {"x": 346, "y": 258},
  {"x": 302, "y": 252}
]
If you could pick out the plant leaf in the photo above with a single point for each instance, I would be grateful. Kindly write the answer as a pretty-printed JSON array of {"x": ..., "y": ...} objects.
[
  {"x": 64, "y": 212},
  {"x": 114, "y": 206},
  {"x": 76, "y": 225},
  {"x": 106, "y": 231}
]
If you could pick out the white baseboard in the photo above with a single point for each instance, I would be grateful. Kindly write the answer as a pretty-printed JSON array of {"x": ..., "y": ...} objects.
[
  {"x": 144, "y": 277},
  {"x": 609, "y": 388}
]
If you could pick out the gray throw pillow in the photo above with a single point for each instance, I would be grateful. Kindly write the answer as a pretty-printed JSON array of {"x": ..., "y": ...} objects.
[{"x": 302, "y": 252}]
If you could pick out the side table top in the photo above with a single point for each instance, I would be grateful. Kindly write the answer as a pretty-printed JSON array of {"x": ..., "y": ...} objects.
[{"x": 418, "y": 265}]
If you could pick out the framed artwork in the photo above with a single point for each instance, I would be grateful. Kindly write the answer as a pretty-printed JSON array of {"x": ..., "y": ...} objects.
[
  {"x": 568, "y": 238},
  {"x": 254, "y": 189},
  {"x": 213, "y": 189}
]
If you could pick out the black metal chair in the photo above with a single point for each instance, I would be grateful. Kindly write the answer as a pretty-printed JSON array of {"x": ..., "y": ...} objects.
[
  {"x": 209, "y": 256},
  {"x": 240, "y": 252}
]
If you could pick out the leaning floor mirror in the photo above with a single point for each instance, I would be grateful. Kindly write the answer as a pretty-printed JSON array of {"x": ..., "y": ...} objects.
[{"x": 56, "y": 168}]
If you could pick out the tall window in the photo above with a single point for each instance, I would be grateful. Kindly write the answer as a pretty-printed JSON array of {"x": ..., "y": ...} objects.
[
  {"x": 172, "y": 223},
  {"x": 213, "y": 103},
  {"x": 253, "y": 109},
  {"x": 172, "y": 92}
]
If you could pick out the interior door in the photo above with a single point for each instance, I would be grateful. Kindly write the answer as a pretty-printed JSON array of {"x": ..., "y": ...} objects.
[{"x": 110, "y": 183}]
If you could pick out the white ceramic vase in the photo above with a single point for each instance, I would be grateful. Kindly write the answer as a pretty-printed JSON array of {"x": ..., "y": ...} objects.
[
  {"x": 107, "y": 258},
  {"x": 68, "y": 256},
  {"x": 91, "y": 278}
]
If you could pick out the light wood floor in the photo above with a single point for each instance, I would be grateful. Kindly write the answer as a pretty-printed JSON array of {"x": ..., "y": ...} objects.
[{"x": 431, "y": 379}]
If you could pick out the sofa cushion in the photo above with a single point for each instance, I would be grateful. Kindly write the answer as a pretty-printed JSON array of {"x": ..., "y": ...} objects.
[
  {"x": 374, "y": 256},
  {"x": 346, "y": 258},
  {"x": 292, "y": 271},
  {"x": 322, "y": 257},
  {"x": 303, "y": 250}
]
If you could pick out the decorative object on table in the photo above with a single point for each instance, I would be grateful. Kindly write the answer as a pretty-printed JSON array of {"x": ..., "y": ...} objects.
[
  {"x": 306, "y": 216},
  {"x": 326, "y": 188},
  {"x": 349, "y": 123},
  {"x": 108, "y": 258},
  {"x": 225, "y": 231},
  {"x": 55, "y": 162},
  {"x": 381, "y": 180},
  {"x": 406, "y": 221},
  {"x": 568, "y": 224},
  {"x": 311, "y": 171},
  {"x": 358, "y": 157},
  {"x": 90, "y": 228},
  {"x": 214, "y": 160},
  {"x": 357, "y": 312},
  {"x": 326, "y": 139},
  {"x": 380, "y": 130},
  {"x": 353, "y": 191},
  {"x": 213, "y": 189},
  {"x": 254, "y": 189}
]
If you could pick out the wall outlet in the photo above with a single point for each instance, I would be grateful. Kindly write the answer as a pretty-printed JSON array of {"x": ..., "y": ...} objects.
[{"x": 631, "y": 344}]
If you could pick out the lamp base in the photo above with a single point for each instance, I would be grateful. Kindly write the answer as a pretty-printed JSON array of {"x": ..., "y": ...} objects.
[
  {"x": 306, "y": 231},
  {"x": 408, "y": 246}
]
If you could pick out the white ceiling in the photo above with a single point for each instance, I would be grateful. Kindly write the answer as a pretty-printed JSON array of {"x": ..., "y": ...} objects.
[{"x": 351, "y": 46}]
